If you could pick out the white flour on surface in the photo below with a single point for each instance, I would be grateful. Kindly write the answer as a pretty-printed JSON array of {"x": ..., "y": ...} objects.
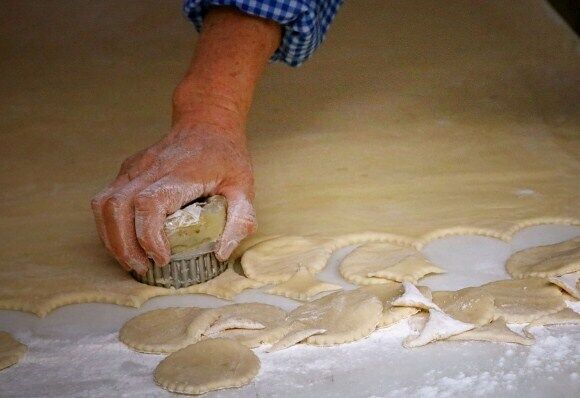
[{"x": 74, "y": 352}]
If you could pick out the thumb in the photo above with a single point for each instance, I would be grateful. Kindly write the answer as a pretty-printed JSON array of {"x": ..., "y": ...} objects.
[{"x": 240, "y": 222}]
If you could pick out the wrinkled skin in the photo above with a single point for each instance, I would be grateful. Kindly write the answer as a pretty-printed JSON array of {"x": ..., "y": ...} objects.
[
  {"x": 183, "y": 166},
  {"x": 205, "y": 152}
]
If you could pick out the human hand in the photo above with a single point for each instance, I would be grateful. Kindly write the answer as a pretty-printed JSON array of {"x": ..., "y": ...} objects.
[{"x": 190, "y": 162}]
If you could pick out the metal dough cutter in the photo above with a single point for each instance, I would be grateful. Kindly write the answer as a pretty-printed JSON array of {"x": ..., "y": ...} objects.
[{"x": 192, "y": 233}]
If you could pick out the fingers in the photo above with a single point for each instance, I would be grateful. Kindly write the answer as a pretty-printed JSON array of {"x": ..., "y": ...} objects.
[
  {"x": 241, "y": 222},
  {"x": 152, "y": 205},
  {"x": 118, "y": 219},
  {"x": 98, "y": 202}
]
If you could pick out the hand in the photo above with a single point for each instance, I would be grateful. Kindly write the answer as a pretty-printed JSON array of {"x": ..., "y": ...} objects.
[{"x": 188, "y": 163}]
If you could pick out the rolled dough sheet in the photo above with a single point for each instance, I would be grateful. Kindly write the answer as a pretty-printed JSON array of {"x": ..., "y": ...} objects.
[
  {"x": 459, "y": 124},
  {"x": 11, "y": 350}
]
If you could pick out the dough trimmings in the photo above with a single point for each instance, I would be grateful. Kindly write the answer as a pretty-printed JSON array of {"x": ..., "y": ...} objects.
[{"x": 207, "y": 365}]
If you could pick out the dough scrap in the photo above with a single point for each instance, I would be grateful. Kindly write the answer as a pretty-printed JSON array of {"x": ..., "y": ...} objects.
[
  {"x": 469, "y": 305},
  {"x": 439, "y": 326},
  {"x": 495, "y": 331},
  {"x": 387, "y": 294},
  {"x": 294, "y": 337},
  {"x": 565, "y": 317},
  {"x": 207, "y": 365},
  {"x": 303, "y": 285},
  {"x": 370, "y": 263},
  {"x": 11, "y": 350},
  {"x": 226, "y": 285},
  {"x": 544, "y": 261},
  {"x": 523, "y": 300},
  {"x": 570, "y": 283},
  {"x": 414, "y": 298},
  {"x": 165, "y": 330},
  {"x": 346, "y": 316},
  {"x": 277, "y": 260},
  {"x": 271, "y": 317}
]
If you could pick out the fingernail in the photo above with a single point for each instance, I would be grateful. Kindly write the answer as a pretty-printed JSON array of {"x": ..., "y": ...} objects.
[
  {"x": 138, "y": 267},
  {"x": 225, "y": 251}
]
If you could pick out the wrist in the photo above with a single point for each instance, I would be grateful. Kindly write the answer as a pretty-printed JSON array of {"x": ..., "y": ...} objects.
[{"x": 195, "y": 103}]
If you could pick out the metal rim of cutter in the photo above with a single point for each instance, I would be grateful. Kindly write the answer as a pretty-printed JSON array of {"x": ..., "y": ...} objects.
[{"x": 185, "y": 269}]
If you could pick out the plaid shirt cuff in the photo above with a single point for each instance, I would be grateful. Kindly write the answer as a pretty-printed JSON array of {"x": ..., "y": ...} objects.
[{"x": 305, "y": 22}]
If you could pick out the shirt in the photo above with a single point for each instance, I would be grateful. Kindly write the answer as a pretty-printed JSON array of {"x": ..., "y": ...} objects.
[{"x": 305, "y": 22}]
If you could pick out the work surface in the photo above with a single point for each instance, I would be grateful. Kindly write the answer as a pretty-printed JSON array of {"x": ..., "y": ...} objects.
[
  {"x": 414, "y": 118},
  {"x": 75, "y": 352}
]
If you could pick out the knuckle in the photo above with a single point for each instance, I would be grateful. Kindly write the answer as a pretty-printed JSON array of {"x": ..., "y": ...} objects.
[
  {"x": 114, "y": 204},
  {"x": 144, "y": 201}
]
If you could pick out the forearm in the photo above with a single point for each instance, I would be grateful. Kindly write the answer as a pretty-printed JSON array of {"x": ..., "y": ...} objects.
[{"x": 231, "y": 54}]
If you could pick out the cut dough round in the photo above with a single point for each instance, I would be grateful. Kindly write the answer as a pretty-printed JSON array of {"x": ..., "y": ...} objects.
[
  {"x": 227, "y": 285},
  {"x": 544, "y": 261},
  {"x": 207, "y": 365},
  {"x": 495, "y": 332},
  {"x": 165, "y": 330},
  {"x": 414, "y": 298},
  {"x": 570, "y": 283},
  {"x": 439, "y": 326},
  {"x": 565, "y": 317},
  {"x": 302, "y": 286},
  {"x": 523, "y": 300},
  {"x": 470, "y": 305},
  {"x": 11, "y": 350},
  {"x": 270, "y": 317},
  {"x": 372, "y": 263},
  {"x": 346, "y": 317},
  {"x": 277, "y": 260},
  {"x": 389, "y": 292}
]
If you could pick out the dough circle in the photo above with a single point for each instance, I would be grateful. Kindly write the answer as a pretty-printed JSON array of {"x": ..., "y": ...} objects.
[
  {"x": 388, "y": 293},
  {"x": 302, "y": 286},
  {"x": 345, "y": 316},
  {"x": 271, "y": 317},
  {"x": 544, "y": 261},
  {"x": 207, "y": 365},
  {"x": 523, "y": 300},
  {"x": 470, "y": 305},
  {"x": 165, "y": 330},
  {"x": 11, "y": 350},
  {"x": 277, "y": 260},
  {"x": 374, "y": 263}
]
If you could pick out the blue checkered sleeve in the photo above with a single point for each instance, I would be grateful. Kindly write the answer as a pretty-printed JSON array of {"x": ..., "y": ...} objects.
[{"x": 305, "y": 22}]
